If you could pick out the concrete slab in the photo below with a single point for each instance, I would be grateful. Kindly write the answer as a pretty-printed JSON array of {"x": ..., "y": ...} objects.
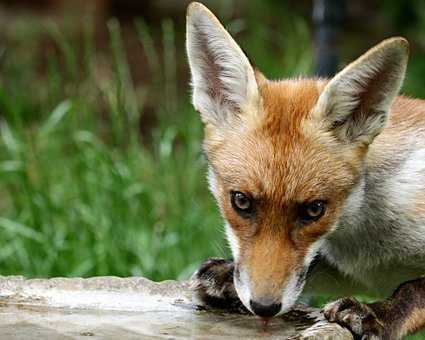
[{"x": 136, "y": 308}]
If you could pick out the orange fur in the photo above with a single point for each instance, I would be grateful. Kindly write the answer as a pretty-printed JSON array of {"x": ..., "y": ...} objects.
[
  {"x": 283, "y": 164},
  {"x": 346, "y": 144}
]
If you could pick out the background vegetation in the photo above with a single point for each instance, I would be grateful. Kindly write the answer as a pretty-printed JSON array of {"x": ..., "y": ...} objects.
[
  {"x": 101, "y": 169},
  {"x": 102, "y": 174}
]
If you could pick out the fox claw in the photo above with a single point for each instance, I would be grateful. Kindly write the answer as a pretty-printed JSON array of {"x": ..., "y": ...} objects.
[
  {"x": 358, "y": 317},
  {"x": 213, "y": 286}
]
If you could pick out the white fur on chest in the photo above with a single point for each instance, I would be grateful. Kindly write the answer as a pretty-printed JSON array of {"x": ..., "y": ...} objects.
[{"x": 380, "y": 235}]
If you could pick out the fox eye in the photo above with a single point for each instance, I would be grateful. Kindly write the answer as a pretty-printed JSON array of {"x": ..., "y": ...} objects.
[
  {"x": 241, "y": 203},
  {"x": 313, "y": 211}
]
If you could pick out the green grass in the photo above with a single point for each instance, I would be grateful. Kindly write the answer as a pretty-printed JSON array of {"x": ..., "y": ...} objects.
[
  {"x": 418, "y": 336},
  {"x": 89, "y": 185},
  {"x": 102, "y": 176},
  {"x": 81, "y": 195}
]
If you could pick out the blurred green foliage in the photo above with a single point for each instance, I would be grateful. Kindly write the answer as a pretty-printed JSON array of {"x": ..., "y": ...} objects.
[
  {"x": 104, "y": 175},
  {"x": 86, "y": 188},
  {"x": 81, "y": 194}
]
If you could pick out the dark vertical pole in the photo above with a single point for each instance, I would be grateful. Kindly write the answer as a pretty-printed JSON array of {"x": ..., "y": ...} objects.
[{"x": 328, "y": 16}]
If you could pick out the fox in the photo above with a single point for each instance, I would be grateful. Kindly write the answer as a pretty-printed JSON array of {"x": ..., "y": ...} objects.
[{"x": 320, "y": 182}]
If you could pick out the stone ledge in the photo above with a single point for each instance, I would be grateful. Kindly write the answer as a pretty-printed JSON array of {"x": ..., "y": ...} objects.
[{"x": 134, "y": 308}]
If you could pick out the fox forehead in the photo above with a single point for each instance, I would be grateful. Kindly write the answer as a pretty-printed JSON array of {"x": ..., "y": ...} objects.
[
  {"x": 280, "y": 155},
  {"x": 287, "y": 103}
]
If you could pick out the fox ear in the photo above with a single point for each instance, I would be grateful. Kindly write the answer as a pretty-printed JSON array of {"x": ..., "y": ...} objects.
[
  {"x": 355, "y": 104},
  {"x": 223, "y": 80}
]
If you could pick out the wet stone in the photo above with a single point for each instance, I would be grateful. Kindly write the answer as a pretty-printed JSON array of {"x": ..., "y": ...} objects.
[{"x": 136, "y": 308}]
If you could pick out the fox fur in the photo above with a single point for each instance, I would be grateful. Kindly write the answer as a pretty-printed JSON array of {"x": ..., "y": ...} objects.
[{"x": 350, "y": 141}]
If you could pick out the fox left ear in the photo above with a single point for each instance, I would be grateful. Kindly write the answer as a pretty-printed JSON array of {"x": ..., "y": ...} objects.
[
  {"x": 355, "y": 104},
  {"x": 223, "y": 81}
]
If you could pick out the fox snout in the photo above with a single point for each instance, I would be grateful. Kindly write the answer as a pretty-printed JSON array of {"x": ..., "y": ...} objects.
[
  {"x": 267, "y": 304},
  {"x": 265, "y": 307},
  {"x": 270, "y": 294}
]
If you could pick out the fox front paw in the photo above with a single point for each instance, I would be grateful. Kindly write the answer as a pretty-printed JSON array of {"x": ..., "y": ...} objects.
[
  {"x": 357, "y": 317},
  {"x": 213, "y": 286}
]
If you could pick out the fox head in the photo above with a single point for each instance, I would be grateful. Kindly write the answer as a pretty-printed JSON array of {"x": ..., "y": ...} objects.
[{"x": 283, "y": 155}]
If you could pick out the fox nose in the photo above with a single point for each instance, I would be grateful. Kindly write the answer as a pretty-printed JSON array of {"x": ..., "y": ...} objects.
[{"x": 265, "y": 308}]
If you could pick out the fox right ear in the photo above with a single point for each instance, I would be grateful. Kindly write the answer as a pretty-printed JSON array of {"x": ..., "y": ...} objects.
[
  {"x": 223, "y": 80},
  {"x": 356, "y": 103}
]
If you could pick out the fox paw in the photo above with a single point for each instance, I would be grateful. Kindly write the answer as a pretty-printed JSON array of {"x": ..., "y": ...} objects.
[
  {"x": 213, "y": 286},
  {"x": 357, "y": 317}
]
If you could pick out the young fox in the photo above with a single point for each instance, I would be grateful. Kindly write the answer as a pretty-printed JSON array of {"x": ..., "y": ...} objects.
[{"x": 315, "y": 178}]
